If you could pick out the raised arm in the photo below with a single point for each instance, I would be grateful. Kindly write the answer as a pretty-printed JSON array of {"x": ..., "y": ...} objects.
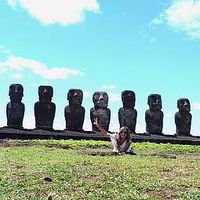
[{"x": 103, "y": 131}]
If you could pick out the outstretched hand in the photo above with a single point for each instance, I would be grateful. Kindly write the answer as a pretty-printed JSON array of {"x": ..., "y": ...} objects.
[
  {"x": 96, "y": 122},
  {"x": 102, "y": 130}
]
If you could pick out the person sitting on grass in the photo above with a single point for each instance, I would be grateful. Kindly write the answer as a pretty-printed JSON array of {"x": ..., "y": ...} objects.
[{"x": 121, "y": 141}]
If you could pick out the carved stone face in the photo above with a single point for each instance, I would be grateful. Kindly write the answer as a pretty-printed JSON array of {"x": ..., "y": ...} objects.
[
  {"x": 45, "y": 93},
  {"x": 75, "y": 97},
  {"x": 183, "y": 104},
  {"x": 155, "y": 102},
  {"x": 100, "y": 99},
  {"x": 128, "y": 99},
  {"x": 16, "y": 92}
]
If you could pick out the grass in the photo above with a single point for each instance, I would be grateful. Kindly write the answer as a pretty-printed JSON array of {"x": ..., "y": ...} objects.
[{"x": 52, "y": 169}]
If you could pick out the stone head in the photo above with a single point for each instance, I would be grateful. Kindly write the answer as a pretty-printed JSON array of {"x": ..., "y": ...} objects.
[
  {"x": 75, "y": 97},
  {"x": 128, "y": 99},
  {"x": 45, "y": 93},
  {"x": 100, "y": 99},
  {"x": 155, "y": 102},
  {"x": 183, "y": 104},
  {"x": 16, "y": 92}
]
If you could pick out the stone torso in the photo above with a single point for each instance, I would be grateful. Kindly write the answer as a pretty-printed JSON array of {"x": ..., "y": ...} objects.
[
  {"x": 154, "y": 121},
  {"x": 15, "y": 114},
  {"x": 127, "y": 117},
  {"x": 103, "y": 116},
  {"x": 74, "y": 112},
  {"x": 44, "y": 109},
  {"x": 100, "y": 110},
  {"x": 183, "y": 123},
  {"x": 154, "y": 115},
  {"x": 183, "y": 117},
  {"x": 15, "y": 108},
  {"x": 74, "y": 117},
  {"x": 44, "y": 114}
]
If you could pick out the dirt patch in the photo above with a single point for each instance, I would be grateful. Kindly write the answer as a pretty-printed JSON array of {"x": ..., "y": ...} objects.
[
  {"x": 162, "y": 194},
  {"x": 15, "y": 143},
  {"x": 58, "y": 146},
  {"x": 102, "y": 153},
  {"x": 172, "y": 156}
]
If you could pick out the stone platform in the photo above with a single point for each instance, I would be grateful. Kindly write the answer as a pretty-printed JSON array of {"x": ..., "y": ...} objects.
[{"x": 11, "y": 133}]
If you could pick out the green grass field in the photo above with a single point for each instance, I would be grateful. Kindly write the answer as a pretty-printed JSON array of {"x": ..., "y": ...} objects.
[{"x": 52, "y": 169}]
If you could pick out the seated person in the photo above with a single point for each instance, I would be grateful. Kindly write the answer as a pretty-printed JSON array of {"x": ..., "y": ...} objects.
[{"x": 121, "y": 141}]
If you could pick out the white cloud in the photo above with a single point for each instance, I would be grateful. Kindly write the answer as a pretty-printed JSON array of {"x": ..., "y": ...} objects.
[
  {"x": 182, "y": 15},
  {"x": 19, "y": 63},
  {"x": 147, "y": 37},
  {"x": 17, "y": 76},
  {"x": 63, "y": 12},
  {"x": 168, "y": 115},
  {"x": 4, "y": 50},
  {"x": 86, "y": 94},
  {"x": 2, "y": 69},
  {"x": 29, "y": 122},
  {"x": 108, "y": 87},
  {"x": 140, "y": 127},
  {"x": 196, "y": 106},
  {"x": 114, "y": 126},
  {"x": 114, "y": 96},
  {"x": 87, "y": 125},
  {"x": 59, "y": 123},
  {"x": 152, "y": 40},
  {"x": 157, "y": 21}
]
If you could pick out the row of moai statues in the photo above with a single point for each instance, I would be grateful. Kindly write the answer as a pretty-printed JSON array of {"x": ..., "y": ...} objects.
[{"x": 44, "y": 111}]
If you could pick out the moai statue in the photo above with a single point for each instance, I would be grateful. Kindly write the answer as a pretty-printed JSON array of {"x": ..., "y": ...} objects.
[
  {"x": 154, "y": 115},
  {"x": 15, "y": 108},
  {"x": 183, "y": 117},
  {"x": 44, "y": 109},
  {"x": 100, "y": 111},
  {"x": 74, "y": 112},
  {"x": 127, "y": 115}
]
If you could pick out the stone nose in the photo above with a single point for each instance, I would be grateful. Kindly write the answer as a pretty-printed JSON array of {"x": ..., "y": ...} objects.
[
  {"x": 185, "y": 103},
  {"x": 75, "y": 94},
  {"x": 101, "y": 97},
  {"x": 45, "y": 91}
]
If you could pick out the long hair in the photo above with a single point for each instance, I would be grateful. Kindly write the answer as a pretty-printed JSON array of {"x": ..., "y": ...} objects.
[{"x": 127, "y": 131}]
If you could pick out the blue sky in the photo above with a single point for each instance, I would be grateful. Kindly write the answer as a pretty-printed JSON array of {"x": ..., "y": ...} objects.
[{"x": 100, "y": 45}]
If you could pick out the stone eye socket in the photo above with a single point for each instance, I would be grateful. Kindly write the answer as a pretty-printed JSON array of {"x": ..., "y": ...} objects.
[
  {"x": 96, "y": 96},
  {"x": 75, "y": 94},
  {"x": 104, "y": 96}
]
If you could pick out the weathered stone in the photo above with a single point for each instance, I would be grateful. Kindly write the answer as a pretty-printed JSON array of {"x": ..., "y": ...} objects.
[
  {"x": 127, "y": 115},
  {"x": 44, "y": 109},
  {"x": 183, "y": 117},
  {"x": 100, "y": 111},
  {"x": 15, "y": 108},
  {"x": 154, "y": 115},
  {"x": 74, "y": 112}
]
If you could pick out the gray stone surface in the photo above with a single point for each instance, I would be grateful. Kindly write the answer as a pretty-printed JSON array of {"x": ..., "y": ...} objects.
[
  {"x": 127, "y": 115},
  {"x": 15, "y": 108},
  {"x": 44, "y": 109},
  {"x": 183, "y": 118},
  {"x": 10, "y": 133},
  {"x": 74, "y": 112},
  {"x": 100, "y": 111},
  {"x": 154, "y": 115}
]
